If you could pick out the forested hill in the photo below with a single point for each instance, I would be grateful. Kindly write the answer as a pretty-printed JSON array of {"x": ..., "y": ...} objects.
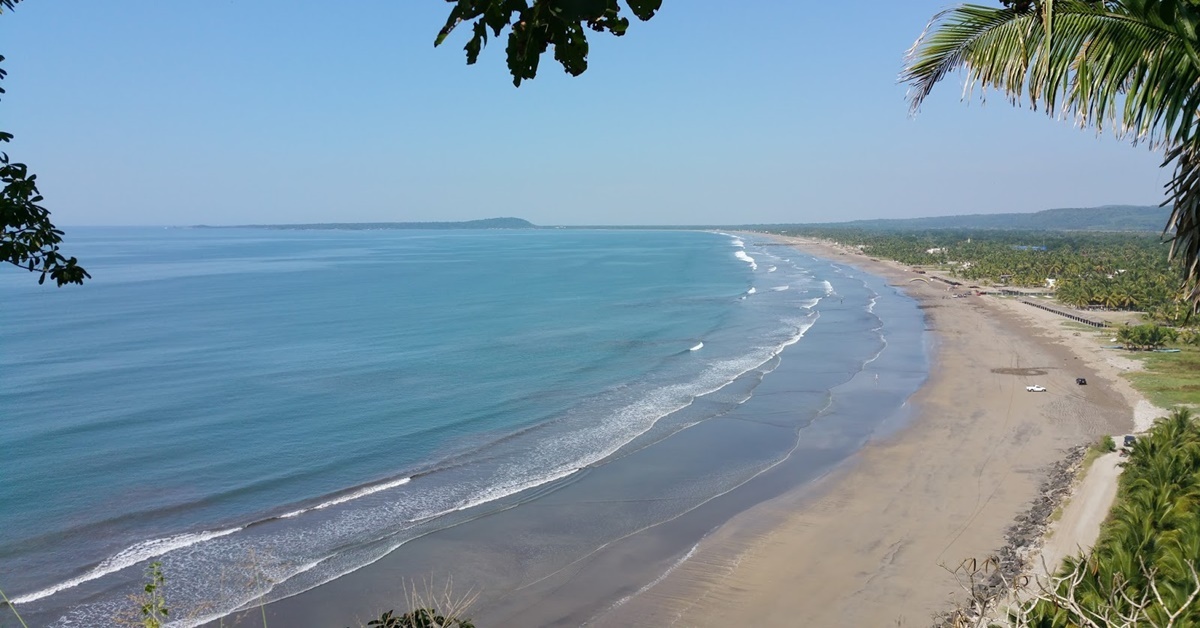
[
  {"x": 1106, "y": 218},
  {"x": 486, "y": 223}
]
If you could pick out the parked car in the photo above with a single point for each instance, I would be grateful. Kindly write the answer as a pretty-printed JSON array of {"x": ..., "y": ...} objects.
[
  {"x": 1130, "y": 439},
  {"x": 1081, "y": 381},
  {"x": 1035, "y": 388}
]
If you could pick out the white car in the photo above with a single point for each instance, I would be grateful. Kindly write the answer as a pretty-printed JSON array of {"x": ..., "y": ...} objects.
[{"x": 1035, "y": 388}]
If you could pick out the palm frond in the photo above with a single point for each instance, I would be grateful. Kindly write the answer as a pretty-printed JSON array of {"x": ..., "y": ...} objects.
[
  {"x": 1102, "y": 66},
  {"x": 1183, "y": 193},
  {"x": 1130, "y": 66}
]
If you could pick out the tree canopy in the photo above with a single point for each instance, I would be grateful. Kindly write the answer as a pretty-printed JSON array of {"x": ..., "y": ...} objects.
[
  {"x": 534, "y": 26},
  {"x": 1131, "y": 66},
  {"x": 27, "y": 237}
]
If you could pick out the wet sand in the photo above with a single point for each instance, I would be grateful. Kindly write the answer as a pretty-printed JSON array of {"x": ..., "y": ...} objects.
[
  {"x": 870, "y": 543},
  {"x": 567, "y": 552}
]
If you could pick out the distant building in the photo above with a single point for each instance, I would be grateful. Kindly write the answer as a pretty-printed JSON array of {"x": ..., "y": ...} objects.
[
  {"x": 1050, "y": 282},
  {"x": 934, "y": 251}
]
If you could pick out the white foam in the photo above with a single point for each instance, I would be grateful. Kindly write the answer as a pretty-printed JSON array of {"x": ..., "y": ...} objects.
[
  {"x": 746, "y": 258},
  {"x": 779, "y": 288},
  {"x": 128, "y": 557},
  {"x": 772, "y": 269},
  {"x": 363, "y": 492},
  {"x": 828, "y": 287},
  {"x": 697, "y": 347},
  {"x": 154, "y": 548},
  {"x": 657, "y": 580},
  {"x": 752, "y": 290},
  {"x": 738, "y": 243},
  {"x": 558, "y": 457},
  {"x": 809, "y": 304},
  {"x": 546, "y": 461}
]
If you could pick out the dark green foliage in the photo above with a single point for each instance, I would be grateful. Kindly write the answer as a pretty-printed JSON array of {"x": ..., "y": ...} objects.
[
  {"x": 1107, "y": 218},
  {"x": 29, "y": 240},
  {"x": 1152, "y": 535},
  {"x": 1107, "y": 444},
  {"x": 27, "y": 237},
  {"x": 535, "y": 26},
  {"x": 419, "y": 618},
  {"x": 154, "y": 603},
  {"x": 1131, "y": 66},
  {"x": 1146, "y": 336},
  {"x": 1127, "y": 271}
]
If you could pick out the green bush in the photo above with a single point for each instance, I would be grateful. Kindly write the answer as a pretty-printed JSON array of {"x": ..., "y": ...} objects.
[
  {"x": 1143, "y": 564},
  {"x": 419, "y": 618}
]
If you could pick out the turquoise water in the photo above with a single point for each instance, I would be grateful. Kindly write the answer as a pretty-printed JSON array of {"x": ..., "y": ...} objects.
[{"x": 309, "y": 400}]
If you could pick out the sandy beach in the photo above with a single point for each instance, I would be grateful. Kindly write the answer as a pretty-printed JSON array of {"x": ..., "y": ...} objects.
[{"x": 869, "y": 544}]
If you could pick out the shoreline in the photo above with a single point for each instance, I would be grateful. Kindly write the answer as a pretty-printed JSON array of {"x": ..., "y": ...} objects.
[
  {"x": 873, "y": 542},
  {"x": 514, "y": 552}
]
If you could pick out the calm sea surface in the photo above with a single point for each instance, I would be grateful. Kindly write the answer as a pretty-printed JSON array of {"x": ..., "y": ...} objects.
[{"x": 295, "y": 405}]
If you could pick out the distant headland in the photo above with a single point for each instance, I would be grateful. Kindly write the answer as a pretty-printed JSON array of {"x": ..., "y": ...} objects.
[{"x": 486, "y": 223}]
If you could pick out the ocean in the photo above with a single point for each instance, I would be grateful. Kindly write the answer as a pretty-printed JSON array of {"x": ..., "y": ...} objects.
[{"x": 266, "y": 411}]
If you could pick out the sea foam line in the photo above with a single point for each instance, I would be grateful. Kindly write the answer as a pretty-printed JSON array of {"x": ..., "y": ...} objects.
[
  {"x": 510, "y": 488},
  {"x": 663, "y": 576},
  {"x": 157, "y": 547},
  {"x": 740, "y": 254},
  {"x": 154, "y": 548},
  {"x": 129, "y": 557},
  {"x": 363, "y": 492}
]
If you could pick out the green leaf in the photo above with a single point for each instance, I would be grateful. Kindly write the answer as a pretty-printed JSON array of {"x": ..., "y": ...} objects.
[
  {"x": 580, "y": 10},
  {"x": 644, "y": 9},
  {"x": 455, "y": 17}
]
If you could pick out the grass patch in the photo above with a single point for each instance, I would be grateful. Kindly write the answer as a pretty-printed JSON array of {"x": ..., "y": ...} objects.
[
  {"x": 1170, "y": 379},
  {"x": 1103, "y": 445},
  {"x": 1054, "y": 517},
  {"x": 1069, "y": 324}
]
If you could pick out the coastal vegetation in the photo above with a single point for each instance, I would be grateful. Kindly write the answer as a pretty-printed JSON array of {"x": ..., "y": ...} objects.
[
  {"x": 1129, "y": 66},
  {"x": 1146, "y": 337},
  {"x": 1111, "y": 271},
  {"x": 1169, "y": 379},
  {"x": 1130, "y": 218},
  {"x": 1143, "y": 569}
]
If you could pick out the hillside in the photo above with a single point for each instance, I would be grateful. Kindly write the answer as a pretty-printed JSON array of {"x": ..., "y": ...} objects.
[{"x": 1105, "y": 218}]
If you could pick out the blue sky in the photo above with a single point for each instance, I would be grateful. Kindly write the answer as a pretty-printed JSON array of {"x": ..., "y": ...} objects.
[{"x": 147, "y": 112}]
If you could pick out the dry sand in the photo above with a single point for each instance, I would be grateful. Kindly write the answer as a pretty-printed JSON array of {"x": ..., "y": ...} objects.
[{"x": 867, "y": 544}]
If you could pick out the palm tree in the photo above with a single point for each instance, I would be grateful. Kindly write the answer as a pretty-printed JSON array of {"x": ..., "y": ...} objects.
[{"x": 1129, "y": 65}]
